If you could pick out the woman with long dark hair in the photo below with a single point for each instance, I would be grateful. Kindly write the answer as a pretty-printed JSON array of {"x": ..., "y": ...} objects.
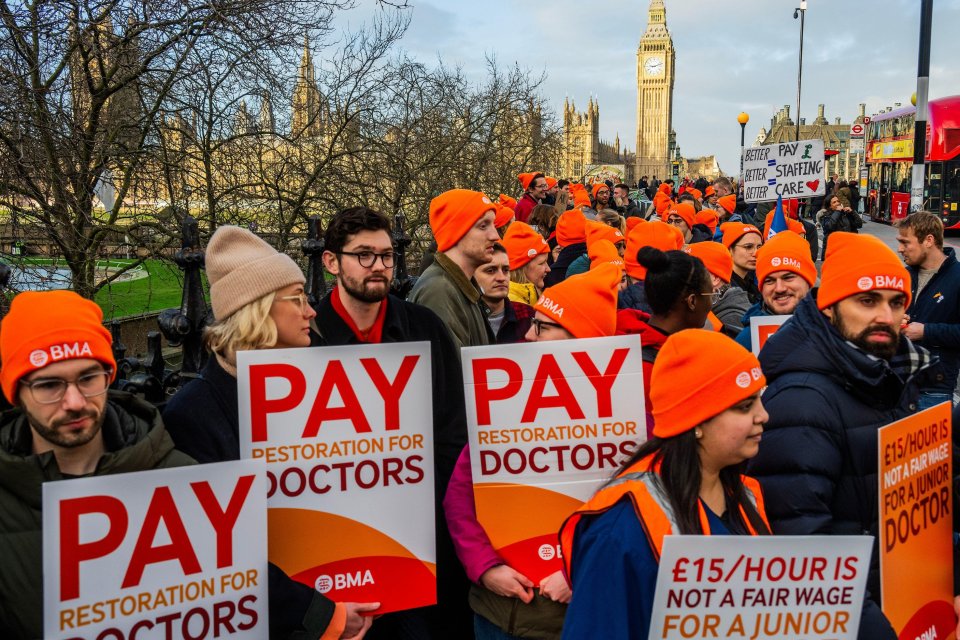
[{"x": 685, "y": 480}]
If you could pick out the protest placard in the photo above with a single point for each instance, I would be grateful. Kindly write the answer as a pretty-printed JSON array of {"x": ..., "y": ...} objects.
[
  {"x": 548, "y": 422},
  {"x": 789, "y": 169},
  {"x": 760, "y": 588},
  {"x": 761, "y": 328},
  {"x": 172, "y": 553},
  {"x": 916, "y": 523},
  {"x": 347, "y": 435}
]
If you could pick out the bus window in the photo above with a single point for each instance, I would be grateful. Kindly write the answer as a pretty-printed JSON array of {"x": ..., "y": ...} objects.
[
  {"x": 951, "y": 184},
  {"x": 934, "y": 183}
]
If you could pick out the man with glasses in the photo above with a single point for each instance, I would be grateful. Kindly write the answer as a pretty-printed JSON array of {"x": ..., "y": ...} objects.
[
  {"x": 683, "y": 217},
  {"x": 359, "y": 253},
  {"x": 786, "y": 273},
  {"x": 56, "y": 365}
]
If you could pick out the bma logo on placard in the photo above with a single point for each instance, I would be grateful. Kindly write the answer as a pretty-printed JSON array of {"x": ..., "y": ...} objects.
[{"x": 341, "y": 581}]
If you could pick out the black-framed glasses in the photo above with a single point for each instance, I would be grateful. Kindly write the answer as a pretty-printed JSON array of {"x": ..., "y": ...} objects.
[
  {"x": 51, "y": 390},
  {"x": 539, "y": 324},
  {"x": 368, "y": 258}
]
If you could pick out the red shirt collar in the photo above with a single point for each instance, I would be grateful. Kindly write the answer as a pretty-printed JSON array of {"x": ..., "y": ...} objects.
[{"x": 372, "y": 335}]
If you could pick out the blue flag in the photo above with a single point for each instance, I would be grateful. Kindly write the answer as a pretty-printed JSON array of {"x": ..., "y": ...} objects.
[{"x": 779, "y": 222}]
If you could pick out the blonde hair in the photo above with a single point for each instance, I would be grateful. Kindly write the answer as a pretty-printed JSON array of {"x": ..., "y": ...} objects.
[
  {"x": 518, "y": 276},
  {"x": 612, "y": 218},
  {"x": 248, "y": 328}
]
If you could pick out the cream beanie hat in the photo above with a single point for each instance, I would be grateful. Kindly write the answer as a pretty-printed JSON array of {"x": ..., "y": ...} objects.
[{"x": 242, "y": 268}]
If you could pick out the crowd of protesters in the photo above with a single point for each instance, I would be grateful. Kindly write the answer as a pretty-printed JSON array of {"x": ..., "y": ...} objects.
[{"x": 791, "y": 452}]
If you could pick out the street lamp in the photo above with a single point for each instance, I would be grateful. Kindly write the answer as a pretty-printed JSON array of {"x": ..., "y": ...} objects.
[
  {"x": 800, "y": 12},
  {"x": 743, "y": 119}
]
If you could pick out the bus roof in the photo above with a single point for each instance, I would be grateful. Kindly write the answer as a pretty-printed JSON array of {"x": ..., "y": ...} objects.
[{"x": 943, "y": 126}]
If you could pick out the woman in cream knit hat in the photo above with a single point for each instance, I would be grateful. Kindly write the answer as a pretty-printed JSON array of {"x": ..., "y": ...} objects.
[{"x": 258, "y": 301}]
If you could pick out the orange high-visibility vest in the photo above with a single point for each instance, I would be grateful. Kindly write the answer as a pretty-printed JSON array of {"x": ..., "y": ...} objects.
[{"x": 642, "y": 485}]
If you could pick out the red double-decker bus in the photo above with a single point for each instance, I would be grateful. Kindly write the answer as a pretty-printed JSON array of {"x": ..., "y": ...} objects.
[{"x": 889, "y": 149}]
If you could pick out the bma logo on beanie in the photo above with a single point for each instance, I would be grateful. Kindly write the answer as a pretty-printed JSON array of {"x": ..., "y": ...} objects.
[
  {"x": 746, "y": 378},
  {"x": 551, "y": 306},
  {"x": 56, "y": 352}
]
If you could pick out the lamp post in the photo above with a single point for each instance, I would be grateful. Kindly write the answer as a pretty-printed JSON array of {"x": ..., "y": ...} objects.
[
  {"x": 743, "y": 119},
  {"x": 800, "y": 12},
  {"x": 920, "y": 121}
]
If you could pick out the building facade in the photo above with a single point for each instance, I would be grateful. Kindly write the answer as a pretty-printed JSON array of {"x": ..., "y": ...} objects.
[
  {"x": 582, "y": 146},
  {"x": 836, "y": 136}
]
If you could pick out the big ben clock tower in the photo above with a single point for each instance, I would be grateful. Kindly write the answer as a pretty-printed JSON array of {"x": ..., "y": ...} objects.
[{"x": 655, "y": 67}]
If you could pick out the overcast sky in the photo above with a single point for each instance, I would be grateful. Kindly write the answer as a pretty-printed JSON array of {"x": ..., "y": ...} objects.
[{"x": 732, "y": 56}]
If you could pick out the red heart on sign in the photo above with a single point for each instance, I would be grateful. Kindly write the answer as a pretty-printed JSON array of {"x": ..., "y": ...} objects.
[{"x": 813, "y": 184}]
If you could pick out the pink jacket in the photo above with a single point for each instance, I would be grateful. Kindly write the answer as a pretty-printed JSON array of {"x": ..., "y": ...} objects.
[{"x": 470, "y": 541}]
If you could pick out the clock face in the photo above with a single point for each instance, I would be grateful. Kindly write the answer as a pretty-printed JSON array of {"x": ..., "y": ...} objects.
[{"x": 653, "y": 66}]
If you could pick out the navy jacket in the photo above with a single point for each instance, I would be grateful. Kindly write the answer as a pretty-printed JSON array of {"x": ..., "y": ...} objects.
[
  {"x": 615, "y": 575},
  {"x": 558, "y": 270},
  {"x": 818, "y": 460},
  {"x": 938, "y": 308},
  {"x": 634, "y": 297}
]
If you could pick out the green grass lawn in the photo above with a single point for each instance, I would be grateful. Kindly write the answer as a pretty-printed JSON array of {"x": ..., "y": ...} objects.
[{"x": 161, "y": 289}]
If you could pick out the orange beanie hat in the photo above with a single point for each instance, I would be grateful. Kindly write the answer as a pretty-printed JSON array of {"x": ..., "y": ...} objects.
[
  {"x": 599, "y": 231},
  {"x": 708, "y": 218},
  {"x": 453, "y": 213},
  {"x": 729, "y": 203},
  {"x": 507, "y": 201},
  {"x": 710, "y": 191},
  {"x": 45, "y": 327},
  {"x": 523, "y": 244},
  {"x": 571, "y": 228},
  {"x": 786, "y": 251},
  {"x": 665, "y": 189},
  {"x": 856, "y": 263},
  {"x": 696, "y": 193},
  {"x": 551, "y": 182},
  {"x": 733, "y": 231},
  {"x": 597, "y": 188},
  {"x": 525, "y": 179},
  {"x": 603, "y": 251},
  {"x": 653, "y": 234},
  {"x": 584, "y": 304},
  {"x": 503, "y": 216},
  {"x": 581, "y": 198},
  {"x": 685, "y": 210},
  {"x": 633, "y": 221},
  {"x": 717, "y": 373},
  {"x": 715, "y": 258}
]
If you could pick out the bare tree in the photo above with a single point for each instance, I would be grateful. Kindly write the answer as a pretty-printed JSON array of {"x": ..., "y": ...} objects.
[{"x": 84, "y": 89}]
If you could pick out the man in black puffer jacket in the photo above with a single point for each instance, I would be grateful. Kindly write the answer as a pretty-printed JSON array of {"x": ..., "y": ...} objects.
[{"x": 838, "y": 370}]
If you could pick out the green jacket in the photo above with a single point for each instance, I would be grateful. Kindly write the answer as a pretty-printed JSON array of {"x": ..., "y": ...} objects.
[
  {"x": 444, "y": 289},
  {"x": 135, "y": 440}
]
